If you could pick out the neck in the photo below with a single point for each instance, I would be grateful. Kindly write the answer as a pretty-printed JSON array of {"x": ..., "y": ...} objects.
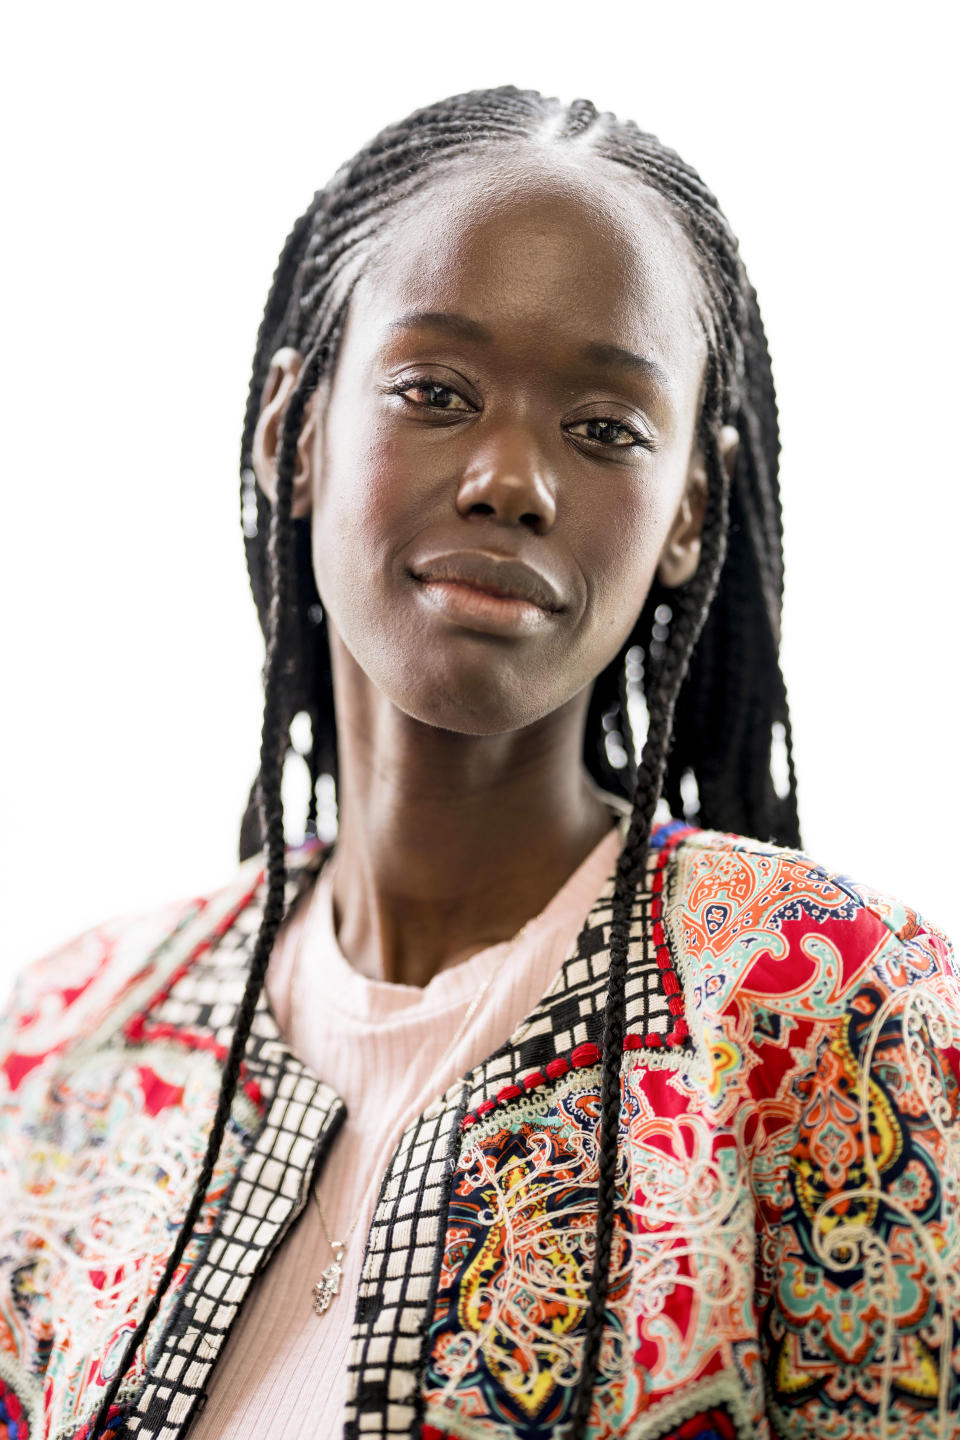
[{"x": 448, "y": 843}]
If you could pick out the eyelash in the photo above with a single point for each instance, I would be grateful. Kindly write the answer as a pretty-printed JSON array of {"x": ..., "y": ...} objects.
[{"x": 423, "y": 382}]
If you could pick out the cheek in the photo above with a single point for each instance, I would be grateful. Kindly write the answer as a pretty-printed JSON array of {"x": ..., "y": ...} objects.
[
  {"x": 360, "y": 515},
  {"x": 619, "y": 556}
]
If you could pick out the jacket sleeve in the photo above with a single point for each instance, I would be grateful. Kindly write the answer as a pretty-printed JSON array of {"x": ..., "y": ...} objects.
[{"x": 855, "y": 1169}]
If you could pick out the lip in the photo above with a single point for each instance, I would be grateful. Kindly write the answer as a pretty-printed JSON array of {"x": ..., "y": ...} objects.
[
  {"x": 504, "y": 577},
  {"x": 492, "y": 594}
]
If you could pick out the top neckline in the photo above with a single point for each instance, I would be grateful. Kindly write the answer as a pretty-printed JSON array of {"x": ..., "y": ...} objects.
[{"x": 357, "y": 995}]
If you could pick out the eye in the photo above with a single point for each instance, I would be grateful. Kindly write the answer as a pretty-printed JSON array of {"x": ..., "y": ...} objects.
[
  {"x": 436, "y": 393},
  {"x": 628, "y": 436},
  {"x": 608, "y": 433}
]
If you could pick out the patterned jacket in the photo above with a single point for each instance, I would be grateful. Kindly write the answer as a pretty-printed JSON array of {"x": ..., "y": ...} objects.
[{"x": 787, "y": 1246}]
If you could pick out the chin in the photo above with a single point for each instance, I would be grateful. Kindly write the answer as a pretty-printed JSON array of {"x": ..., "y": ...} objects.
[
  {"x": 471, "y": 714},
  {"x": 482, "y": 688},
  {"x": 489, "y": 702}
]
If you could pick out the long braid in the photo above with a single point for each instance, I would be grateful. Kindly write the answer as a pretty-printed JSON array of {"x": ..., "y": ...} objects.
[
  {"x": 631, "y": 866},
  {"x": 714, "y": 689},
  {"x": 271, "y": 759}
]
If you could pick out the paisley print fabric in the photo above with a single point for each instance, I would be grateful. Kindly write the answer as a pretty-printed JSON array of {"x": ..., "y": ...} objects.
[
  {"x": 831, "y": 1023},
  {"x": 86, "y": 1252},
  {"x": 110, "y": 1071},
  {"x": 787, "y": 1253},
  {"x": 786, "y": 1257}
]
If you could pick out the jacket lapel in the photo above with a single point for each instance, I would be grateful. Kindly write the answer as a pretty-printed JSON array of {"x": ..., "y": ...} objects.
[{"x": 257, "y": 1200}]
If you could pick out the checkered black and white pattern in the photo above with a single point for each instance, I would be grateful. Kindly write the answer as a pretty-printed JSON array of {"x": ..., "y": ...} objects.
[
  {"x": 398, "y": 1279},
  {"x": 270, "y": 1189},
  {"x": 264, "y": 1201},
  {"x": 571, "y": 1013},
  {"x": 405, "y": 1247}
]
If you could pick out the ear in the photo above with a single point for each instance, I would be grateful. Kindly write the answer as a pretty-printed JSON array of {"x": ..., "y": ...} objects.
[
  {"x": 681, "y": 552},
  {"x": 285, "y": 367}
]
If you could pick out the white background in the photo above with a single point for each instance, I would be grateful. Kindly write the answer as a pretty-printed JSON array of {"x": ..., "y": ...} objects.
[{"x": 156, "y": 158}]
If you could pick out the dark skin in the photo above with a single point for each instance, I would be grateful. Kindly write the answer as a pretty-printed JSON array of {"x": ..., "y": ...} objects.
[{"x": 460, "y": 710}]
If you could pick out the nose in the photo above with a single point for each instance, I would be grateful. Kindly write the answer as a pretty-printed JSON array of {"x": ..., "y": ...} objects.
[{"x": 510, "y": 484}]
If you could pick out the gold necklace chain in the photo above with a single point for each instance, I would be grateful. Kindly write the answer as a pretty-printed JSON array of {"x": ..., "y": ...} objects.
[{"x": 327, "y": 1288}]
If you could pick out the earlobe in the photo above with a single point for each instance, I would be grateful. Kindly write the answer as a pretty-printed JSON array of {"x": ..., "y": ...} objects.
[
  {"x": 729, "y": 439},
  {"x": 281, "y": 379}
]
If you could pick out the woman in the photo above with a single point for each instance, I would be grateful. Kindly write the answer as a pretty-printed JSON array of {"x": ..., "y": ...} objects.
[{"x": 650, "y": 1128}]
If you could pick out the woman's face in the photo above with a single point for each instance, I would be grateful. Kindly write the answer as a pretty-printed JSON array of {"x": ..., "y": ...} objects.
[{"x": 504, "y": 453}]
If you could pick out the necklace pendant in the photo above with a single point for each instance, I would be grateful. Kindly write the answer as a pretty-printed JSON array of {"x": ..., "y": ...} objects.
[{"x": 328, "y": 1286}]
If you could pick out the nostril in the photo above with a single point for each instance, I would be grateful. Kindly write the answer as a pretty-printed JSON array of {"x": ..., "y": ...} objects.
[{"x": 533, "y": 521}]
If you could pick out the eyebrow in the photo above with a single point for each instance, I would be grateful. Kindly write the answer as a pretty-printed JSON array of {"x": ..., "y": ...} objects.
[{"x": 600, "y": 352}]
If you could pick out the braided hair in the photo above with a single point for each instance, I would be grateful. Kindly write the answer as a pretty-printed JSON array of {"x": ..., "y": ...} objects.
[{"x": 708, "y": 649}]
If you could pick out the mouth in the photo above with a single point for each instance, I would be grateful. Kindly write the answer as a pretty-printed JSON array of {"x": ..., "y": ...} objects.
[
  {"x": 488, "y": 593},
  {"x": 502, "y": 577}
]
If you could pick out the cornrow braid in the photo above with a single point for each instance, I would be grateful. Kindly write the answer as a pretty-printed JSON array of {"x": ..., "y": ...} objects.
[
  {"x": 580, "y": 115},
  {"x": 709, "y": 649}
]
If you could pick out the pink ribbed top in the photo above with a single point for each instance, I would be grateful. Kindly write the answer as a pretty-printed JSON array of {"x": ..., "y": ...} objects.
[{"x": 380, "y": 1045}]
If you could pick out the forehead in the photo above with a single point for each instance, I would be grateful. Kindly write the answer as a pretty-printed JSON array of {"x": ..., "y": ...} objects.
[{"x": 537, "y": 245}]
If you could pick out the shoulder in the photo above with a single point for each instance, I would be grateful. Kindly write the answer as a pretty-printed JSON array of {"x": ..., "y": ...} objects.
[
  {"x": 94, "y": 980},
  {"x": 743, "y": 914},
  {"x": 816, "y": 1007}
]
